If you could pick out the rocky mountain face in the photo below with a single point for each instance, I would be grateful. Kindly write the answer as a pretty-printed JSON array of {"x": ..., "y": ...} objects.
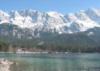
[
  {"x": 52, "y": 27},
  {"x": 53, "y": 21}
]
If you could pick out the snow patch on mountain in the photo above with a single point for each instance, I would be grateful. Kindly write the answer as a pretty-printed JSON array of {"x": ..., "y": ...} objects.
[
  {"x": 53, "y": 21},
  {"x": 90, "y": 33}
]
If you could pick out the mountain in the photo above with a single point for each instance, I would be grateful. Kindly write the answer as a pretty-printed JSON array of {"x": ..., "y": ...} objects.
[
  {"x": 53, "y": 21},
  {"x": 51, "y": 29}
]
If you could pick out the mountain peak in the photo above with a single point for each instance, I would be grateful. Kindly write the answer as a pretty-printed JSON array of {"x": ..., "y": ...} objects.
[
  {"x": 53, "y": 21},
  {"x": 54, "y": 14}
]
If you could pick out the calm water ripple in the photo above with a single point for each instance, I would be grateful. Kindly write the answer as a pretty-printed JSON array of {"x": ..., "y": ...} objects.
[{"x": 54, "y": 62}]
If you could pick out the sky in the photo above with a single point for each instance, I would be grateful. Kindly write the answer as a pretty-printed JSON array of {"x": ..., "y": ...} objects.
[{"x": 62, "y": 6}]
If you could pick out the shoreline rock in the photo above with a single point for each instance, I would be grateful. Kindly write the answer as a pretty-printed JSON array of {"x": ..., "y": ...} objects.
[{"x": 5, "y": 65}]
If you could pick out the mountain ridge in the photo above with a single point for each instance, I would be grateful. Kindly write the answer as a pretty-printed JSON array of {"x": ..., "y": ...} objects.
[{"x": 53, "y": 21}]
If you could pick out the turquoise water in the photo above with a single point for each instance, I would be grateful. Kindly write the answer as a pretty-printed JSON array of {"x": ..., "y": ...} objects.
[{"x": 54, "y": 62}]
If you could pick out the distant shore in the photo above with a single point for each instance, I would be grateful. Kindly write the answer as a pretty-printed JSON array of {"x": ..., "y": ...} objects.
[{"x": 45, "y": 52}]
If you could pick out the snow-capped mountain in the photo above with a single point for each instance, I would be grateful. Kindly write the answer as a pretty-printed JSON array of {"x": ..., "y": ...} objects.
[
  {"x": 29, "y": 28},
  {"x": 52, "y": 21}
]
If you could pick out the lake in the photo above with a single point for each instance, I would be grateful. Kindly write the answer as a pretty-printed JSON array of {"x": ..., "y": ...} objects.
[{"x": 54, "y": 62}]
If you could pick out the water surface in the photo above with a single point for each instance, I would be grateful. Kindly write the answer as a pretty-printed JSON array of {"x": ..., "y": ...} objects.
[{"x": 54, "y": 62}]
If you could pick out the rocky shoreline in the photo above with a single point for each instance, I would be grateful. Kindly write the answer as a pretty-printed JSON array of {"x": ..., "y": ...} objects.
[{"x": 5, "y": 65}]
